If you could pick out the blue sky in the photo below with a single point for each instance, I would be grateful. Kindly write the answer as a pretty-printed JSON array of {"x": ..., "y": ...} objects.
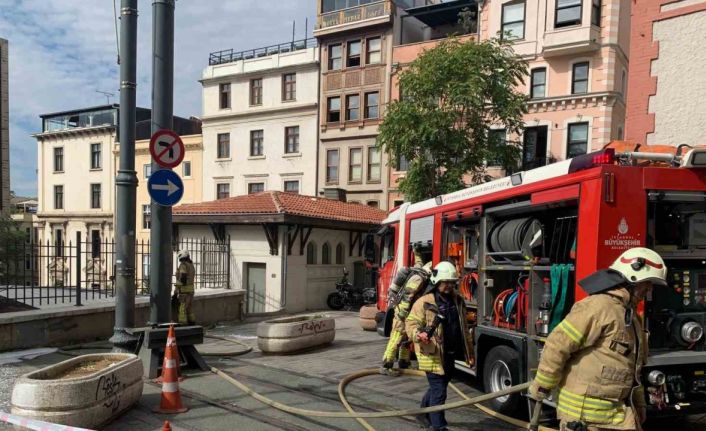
[{"x": 62, "y": 51}]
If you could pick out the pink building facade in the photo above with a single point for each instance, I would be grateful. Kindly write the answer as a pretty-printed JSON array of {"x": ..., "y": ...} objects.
[{"x": 577, "y": 52}]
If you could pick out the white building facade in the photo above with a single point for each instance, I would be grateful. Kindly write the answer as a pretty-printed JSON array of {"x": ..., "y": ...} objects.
[{"x": 260, "y": 121}]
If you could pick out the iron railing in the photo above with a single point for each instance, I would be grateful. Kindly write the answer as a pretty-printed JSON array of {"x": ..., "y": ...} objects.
[
  {"x": 229, "y": 56},
  {"x": 80, "y": 271},
  {"x": 349, "y": 15}
]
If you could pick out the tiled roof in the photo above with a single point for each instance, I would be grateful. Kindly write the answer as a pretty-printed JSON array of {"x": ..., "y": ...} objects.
[{"x": 274, "y": 202}]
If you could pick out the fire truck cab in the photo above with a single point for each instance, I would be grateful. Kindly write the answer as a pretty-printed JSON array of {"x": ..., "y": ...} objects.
[{"x": 520, "y": 244}]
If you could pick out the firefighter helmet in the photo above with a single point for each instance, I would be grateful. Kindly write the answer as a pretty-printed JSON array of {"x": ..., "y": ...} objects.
[
  {"x": 641, "y": 264},
  {"x": 444, "y": 271},
  {"x": 183, "y": 254}
]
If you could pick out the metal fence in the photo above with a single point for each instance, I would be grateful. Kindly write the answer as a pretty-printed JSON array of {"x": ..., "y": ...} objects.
[
  {"x": 229, "y": 55},
  {"x": 75, "y": 272}
]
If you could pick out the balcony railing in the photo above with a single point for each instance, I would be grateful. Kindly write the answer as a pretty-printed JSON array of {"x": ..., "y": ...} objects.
[
  {"x": 354, "y": 14},
  {"x": 229, "y": 56}
]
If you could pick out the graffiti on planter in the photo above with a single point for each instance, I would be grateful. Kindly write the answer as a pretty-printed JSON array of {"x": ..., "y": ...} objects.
[
  {"x": 109, "y": 390},
  {"x": 314, "y": 327}
]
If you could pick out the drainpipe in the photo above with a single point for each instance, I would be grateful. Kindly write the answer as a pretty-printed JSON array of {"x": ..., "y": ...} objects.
[{"x": 283, "y": 284}]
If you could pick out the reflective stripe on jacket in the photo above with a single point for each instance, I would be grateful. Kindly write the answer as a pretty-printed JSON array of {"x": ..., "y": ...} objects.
[
  {"x": 595, "y": 358},
  {"x": 430, "y": 356}
]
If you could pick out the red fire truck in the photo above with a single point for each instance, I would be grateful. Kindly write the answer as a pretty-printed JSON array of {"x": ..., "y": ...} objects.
[{"x": 521, "y": 242}]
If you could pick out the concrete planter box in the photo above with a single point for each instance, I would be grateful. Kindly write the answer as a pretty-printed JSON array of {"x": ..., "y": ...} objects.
[
  {"x": 86, "y": 401},
  {"x": 291, "y": 334}
]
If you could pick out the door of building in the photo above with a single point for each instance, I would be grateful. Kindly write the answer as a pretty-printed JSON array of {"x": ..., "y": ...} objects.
[
  {"x": 534, "y": 147},
  {"x": 257, "y": 298}
]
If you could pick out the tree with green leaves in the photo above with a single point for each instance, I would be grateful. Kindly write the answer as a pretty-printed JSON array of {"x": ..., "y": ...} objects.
[{"x": 451, "y": 97}]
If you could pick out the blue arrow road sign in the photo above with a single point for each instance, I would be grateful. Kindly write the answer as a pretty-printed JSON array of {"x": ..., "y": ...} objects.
[{"x": 165, "y": 187}]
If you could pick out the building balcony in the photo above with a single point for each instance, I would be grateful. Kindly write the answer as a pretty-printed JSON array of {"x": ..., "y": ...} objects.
[
  {"x": 354, "y": 77},
  {"x": 574, "y": 40},
  {"x": 379, "y": 12}
]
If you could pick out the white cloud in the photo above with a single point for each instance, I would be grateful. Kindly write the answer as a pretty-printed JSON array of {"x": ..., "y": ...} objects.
[{"x": 62, "y": 51}]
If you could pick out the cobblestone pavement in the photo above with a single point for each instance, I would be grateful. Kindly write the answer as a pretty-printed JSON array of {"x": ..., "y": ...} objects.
[{"x": 308, "y": 380}]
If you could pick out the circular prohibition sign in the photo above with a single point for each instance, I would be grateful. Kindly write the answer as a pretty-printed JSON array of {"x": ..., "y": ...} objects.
[{"x": 167, "y": 148}]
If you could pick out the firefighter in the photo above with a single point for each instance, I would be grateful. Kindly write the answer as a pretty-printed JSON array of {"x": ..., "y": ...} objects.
[
  {"x": 398, "y": 344},
  {"x": 185, "y": 287},
  {"x": 595, "y": 355},
  {"x": 438, "y": 327}
]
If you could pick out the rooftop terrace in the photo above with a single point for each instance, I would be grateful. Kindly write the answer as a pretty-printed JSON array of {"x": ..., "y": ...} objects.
[{"x": 229, "y": 55}]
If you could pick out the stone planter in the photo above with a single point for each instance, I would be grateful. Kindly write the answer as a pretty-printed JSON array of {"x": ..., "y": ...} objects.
[
  {"x": 367, "y": 317},
  {"x": 291, "y": 334},
  {"x": 73, "y": 393}
]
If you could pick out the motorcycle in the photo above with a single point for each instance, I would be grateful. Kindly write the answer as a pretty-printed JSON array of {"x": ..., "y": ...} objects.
[{"x": 348, "y": 296}]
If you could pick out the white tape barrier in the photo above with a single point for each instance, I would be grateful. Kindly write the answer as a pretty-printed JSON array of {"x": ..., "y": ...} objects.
[{"x": 36, "y": 425}]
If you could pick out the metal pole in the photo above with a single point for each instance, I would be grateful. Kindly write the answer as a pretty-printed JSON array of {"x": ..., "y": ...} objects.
[
  {"x": 162, "y": 105},
  {"x": 126, "y": 184}
]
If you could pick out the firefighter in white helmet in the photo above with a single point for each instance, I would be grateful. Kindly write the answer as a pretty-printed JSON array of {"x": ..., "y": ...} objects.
[
  {"x": 185, "y": 275},
  {"x": 595, "y": 355},
  {"x": 437, "y": 325}
]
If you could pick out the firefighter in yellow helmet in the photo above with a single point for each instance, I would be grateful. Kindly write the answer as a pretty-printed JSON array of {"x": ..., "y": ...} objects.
[
  {"x": 593, "y": 359},
  {"x": 402, "y": 298},
  {"x": 438, "y": 327},
  {"x": 185, "y": 287}
]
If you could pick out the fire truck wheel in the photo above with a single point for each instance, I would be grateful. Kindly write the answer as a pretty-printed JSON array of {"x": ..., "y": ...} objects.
[{"x": 501, "y": 371}]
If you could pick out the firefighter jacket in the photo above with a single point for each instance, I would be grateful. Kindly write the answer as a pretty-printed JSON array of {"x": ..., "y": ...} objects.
[
  {"x": 430, "y": 356},
  {"x": 185, "y": 277},
  {"x": 412, "y": 290},
  {"x": 594, "y": 358}
]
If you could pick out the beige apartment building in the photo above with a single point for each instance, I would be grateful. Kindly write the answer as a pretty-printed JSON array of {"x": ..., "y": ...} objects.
[
  {"x": 4, "y": 127},
  {"x": 260, "y": 120}
]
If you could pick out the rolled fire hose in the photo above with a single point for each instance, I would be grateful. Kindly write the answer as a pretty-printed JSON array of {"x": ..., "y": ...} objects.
[{"x": 351, "y": 414}]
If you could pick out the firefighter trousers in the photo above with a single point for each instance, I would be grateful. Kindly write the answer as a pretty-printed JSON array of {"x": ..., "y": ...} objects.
[
  {"x": 592, "y": 427},
  {"x": 396, "y": 347},
  {"x": 186, "y": 313}
]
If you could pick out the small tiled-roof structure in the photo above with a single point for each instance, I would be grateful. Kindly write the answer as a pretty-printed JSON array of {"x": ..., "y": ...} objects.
[{"x": 280, "y": 207}]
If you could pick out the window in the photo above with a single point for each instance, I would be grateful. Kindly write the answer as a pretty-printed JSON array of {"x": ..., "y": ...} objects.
[
  {"x": 256, "y": 138},
  {"x": 146, "y": 269},
  {"x": 596, "y": 12},
  {"x": 577, "y": 140},
  {"x": 623, "y": 83},
  {"x": 147, "y": 170},
  {"x": 352, "y": 107},
  {"x": 256, "y": 188},
  {"x": 332, "y": 166},
  {"x": 95, "y": 196},
  {"x": 289, "y": 86},
  {"x": 223, "y": 149},
  {"x": 513, "y": 21},
  {"x": 402, "y": 164},
  {"x": 58, "y": 159},
  {"x": 538, "y": 83},
  {"x": 326, "y": 254},
  {"x": 355, "y": 165},
  {"x": 95, "y": 243},
  {"x": 96, "y": 156},
  {"x": 58, "y": 197},
  {"x": 291, "y": 186},
  {"x": 146, "y": 212},
  {"x": 311, "y": 253},
  {"x": 620, "y": 133},
  {"x": 353, "y": 59},
  {"x": 334, "y": 57},
  {"x": 334, "y": 110},
  {"x": 291, "y": 139},
  {"x": 579, "y": 79},
  {"x": 371, "y": 105},
  {"x": 222, "y": 191},
  {"x": 186, "y": 169},
  {"x": 374, "y": 51},
  {"x": 568, "y": 12},
  {"x": 397, "y": 203},
  {"x": 224, "y": 91},
  {"x": 496, "y": 137},
  {"x": 373, "y": 204},
  {"x": 373, "y": 164},
  {"x": 256, "y": 91},
  {"x": 340, "y": 253}
]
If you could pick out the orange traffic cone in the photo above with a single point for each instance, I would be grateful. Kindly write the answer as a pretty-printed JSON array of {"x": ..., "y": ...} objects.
[
  {"x": 171, "y": 398},
  {"x": 166, "y": 426}
]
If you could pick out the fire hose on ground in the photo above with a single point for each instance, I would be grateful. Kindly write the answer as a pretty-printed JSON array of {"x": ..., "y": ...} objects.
[{"x": 360, "y": 417}]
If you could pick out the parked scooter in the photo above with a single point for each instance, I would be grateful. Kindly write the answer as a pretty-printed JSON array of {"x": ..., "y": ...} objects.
[{"x": 348, "y": 296}]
